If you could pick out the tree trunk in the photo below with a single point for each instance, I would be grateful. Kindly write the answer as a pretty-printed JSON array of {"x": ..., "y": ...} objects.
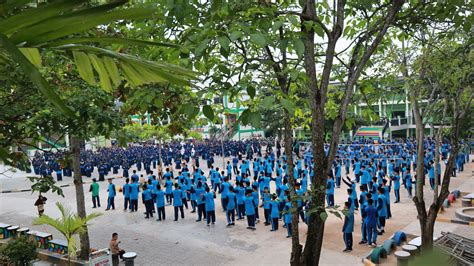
[
  {"x": 427, "y": 233},
  {"x": 81, "y": 207},
  {"x": 296, "y": 247}
]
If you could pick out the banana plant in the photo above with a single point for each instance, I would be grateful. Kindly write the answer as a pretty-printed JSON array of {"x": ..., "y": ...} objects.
[
  {"x": 69, "y": 225},
  {"x": 60, "y": 26},
  {"x": 27, "y": 29}
]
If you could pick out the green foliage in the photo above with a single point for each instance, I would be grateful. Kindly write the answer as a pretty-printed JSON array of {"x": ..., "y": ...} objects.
[
  {"x": 19, "y": 251},
  {"x": 47, "y": 27},
  {"x": 195, "y": 135},
  {"x": 44, "y": 184},
  {"x": 69, "y": 225},
  {"x": 138, "y": 133}
]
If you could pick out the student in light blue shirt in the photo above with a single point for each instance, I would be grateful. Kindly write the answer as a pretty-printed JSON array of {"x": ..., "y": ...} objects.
[
  {"x": 224, "y": 192},
  {"x": 408, "y": 182},
  {"x": 381, "y": 210},
  {"x": 134, "y": 190},
  {"x": 147, "y": 201},
  {"x": 229, "y": 170},
  {"x": 274, "y": 212},
  {"x": 250, "y": 209},
  {"x": 230, "y": 208},
  {"x": 396, "y": 186},
  {"x": 266, "y": 205},
  {"x": 330, "y": 191},
  {"x": 126, "y": 195},
  {"x": 177, "y": 202},
  {"x": 169, "y": 190},
  {"x": 240, "y": 194},
  {"x": 200, "y": 202},
  {"x": 288, "y": 217},
  {"x": 210, "y": 206},
  {"x": 160, "y": 203},
  {"x": 348, "y": 226},
  {"x": 111, "y": 195},
  {"x": 256, "y": 201}
]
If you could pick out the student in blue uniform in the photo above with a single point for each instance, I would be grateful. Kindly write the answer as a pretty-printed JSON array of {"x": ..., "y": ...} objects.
[
  {"x": 288, "y": 217},
  {"x": 134, "y": 189},
  {"x": 184, "y": 193},
  {"x": 330, "y": 191},
  {"x": 371, "y": 223},
  {"x": 381, "y": 210},
  {"x": 337, "y": 172},
  {"x": 256, "y": 200},
  {"x": 348, "y": 226},
  {"x": 147, "y": 201},
  {"x": 126, "y": 195},
  {"x": 357, "y": 167},
  {"x": 353, "y": 196},
  {"x": 365, "y": 177},
  {"x": 408, "y": 182},
  {"x": 274, "y": 212},
  {"x": 111, "y": 196},
  {"x": 240, "y": 194},
  {"x": 266, "y": 198},
  {"x": 231, "y": 205},
  {"x": 229, "y": 170},
  {"x": 396, "y": 185},
  {"x": 431, "y": 175},
  {"x": 363, "y": 207},
  {"x": 200, "y": 202},
  {"x": 250, "y": 209},
  {"x": 224, "y": 192},
  {"x": 160, "y": 203},
  {"x": 210, "y": 206},
  {"x": 168, "y": 188},
  {"x": 192, "y": 196},
  {"x": 386, "y": 192},
  {"x": 177, "y": 202},
  {"x": 134, "y": 176}
]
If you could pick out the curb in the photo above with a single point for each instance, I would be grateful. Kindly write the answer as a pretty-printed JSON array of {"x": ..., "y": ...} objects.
[
  {"x": 444, "y": 220},
  {"x": 88, "y": 181}
]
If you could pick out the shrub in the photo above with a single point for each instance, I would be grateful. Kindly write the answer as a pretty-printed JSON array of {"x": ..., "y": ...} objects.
[{"x": 20, "y": 251}]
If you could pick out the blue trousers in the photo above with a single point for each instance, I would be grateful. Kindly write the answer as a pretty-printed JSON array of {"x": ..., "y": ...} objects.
[
  {"x": 330, "y": 199},
  {"x": 347, "y": 240},
  {"x": 110, "y": 203},
  {"x": 289, "y": 229},
  {"x": 364, "y": 231},
  {"x": 230, "y": 216},
  {"x": 372, "y": 233}
]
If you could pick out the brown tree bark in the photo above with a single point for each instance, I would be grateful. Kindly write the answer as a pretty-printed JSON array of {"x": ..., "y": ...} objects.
[
  {"x": 318, "y": 94},
  {"x": 78, "y": 184}
]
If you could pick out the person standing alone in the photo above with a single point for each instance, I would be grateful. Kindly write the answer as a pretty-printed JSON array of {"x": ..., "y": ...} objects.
[
  {"x": 94, "y": 188},
  {"x": 111, "y": 198}
]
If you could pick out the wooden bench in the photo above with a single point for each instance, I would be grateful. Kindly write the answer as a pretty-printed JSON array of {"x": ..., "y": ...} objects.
[
  {"x": 58, "y": 246},
  {"x": 22, "y": 231},
  {"x": 4, "y": 231},
  {"x": 12, "y": 231},
  {"x": 41, "y": 239},
  {"x": 466, "y": 203}
]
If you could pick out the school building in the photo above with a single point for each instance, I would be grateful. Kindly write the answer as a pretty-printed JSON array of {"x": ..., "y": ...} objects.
[{"x": 393, "y": 109}]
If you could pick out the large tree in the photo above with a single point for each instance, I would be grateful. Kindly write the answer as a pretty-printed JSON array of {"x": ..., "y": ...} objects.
[{"x": 30, "y": 32}]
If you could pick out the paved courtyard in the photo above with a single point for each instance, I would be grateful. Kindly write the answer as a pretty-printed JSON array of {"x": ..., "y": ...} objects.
[{"x": 187, "y": 242}]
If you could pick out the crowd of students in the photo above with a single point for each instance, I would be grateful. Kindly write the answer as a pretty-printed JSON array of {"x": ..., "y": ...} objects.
[{"x": 256, "y": 177}]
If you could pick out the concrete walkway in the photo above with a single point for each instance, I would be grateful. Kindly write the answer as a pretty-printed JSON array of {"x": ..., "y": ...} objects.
[{"x": 187, "y": 242}]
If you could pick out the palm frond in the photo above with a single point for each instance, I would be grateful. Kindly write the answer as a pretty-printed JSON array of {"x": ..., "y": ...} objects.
[
  {"x": 134, "y": 70},
  {"x": 69, "y": 225},
  {"x": 35, "y": 76}
]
